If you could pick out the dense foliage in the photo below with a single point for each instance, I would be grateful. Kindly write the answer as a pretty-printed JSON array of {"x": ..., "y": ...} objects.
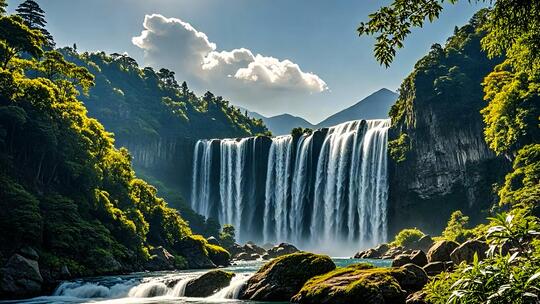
[
  {"x": 66, "y": 190},
  {"x": 150, "y": 112},
  {"x": 142, "y": 104},
  {"x": 510, "y": 29}
]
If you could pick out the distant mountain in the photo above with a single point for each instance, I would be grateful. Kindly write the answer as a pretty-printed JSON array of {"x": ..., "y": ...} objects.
[
  {"x": 375, "y": 106},
  {"x": 280, "y": 124},
  {"x": 284, "y": 123}
]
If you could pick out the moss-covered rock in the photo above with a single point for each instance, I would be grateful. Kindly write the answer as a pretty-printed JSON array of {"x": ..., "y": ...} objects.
[
  {"x": 359, "y": 283},
  {"x": 218, "y": 255},
  {"x": 362, "y": 283},
  {"x": 208, "y": 284},
  {"x": 280, "y": 279}
]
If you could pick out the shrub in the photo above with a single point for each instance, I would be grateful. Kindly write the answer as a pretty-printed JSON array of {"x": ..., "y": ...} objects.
[
  {"x": 503, "y": 278},
  {"x": 456, "y": 229},
  {"x": 407, "y": 237}
]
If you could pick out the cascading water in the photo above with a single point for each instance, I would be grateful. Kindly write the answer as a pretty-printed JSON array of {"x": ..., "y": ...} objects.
[{"x": 328, "y": 187}]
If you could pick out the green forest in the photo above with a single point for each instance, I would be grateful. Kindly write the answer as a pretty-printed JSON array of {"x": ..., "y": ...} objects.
[
  {"x": 507, "y": 67},
  {"x": 66, "y": 190},
  {"x": 96, "y": 154}
]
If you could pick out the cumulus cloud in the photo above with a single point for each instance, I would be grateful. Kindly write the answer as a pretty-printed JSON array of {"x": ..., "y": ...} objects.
[{"x": 175, "y": 44}]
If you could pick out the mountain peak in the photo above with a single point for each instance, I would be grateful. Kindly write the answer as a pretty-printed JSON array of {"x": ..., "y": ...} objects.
[{"x": 375, "y": 106}]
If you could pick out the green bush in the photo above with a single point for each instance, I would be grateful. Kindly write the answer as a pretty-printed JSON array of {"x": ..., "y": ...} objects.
[
  {"x": 505, "y": 278},
  {"x": 456, "y": 229},
  {"x": 407, "y": 237}
]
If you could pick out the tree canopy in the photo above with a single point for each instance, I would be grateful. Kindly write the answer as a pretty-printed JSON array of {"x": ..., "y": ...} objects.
[{"x": 34, "y": 17}]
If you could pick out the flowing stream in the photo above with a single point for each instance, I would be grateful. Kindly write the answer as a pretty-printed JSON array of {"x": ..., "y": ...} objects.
[
  {"x": 321, "y": 191},
  {"x": 158, "y": 287}
]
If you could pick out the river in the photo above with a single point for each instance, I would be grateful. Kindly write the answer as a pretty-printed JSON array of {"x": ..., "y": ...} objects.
[{"x": 158, "y": 287}]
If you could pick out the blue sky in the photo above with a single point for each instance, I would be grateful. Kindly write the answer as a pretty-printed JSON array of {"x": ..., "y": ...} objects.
[{"x": 329, "y": 67}]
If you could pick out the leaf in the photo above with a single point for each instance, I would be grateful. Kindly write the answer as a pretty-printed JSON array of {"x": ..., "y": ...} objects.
[
  {"x": 534, "y": 277},
  {"x": 530, "y": 295}
]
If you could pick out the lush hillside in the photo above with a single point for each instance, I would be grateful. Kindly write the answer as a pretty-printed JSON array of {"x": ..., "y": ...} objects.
[
  {"x": 67, "y": 194},
  {"x": 141, "y": 103},
  {"x": 375, "y": 106},
  {"x": 159, "y": 121},
  {"x": 442, "y": 161}
]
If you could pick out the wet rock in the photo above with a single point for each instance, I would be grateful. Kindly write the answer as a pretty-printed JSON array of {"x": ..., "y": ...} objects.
[
  {"x": 440, "y": 251},
  {"x": 282, "y": 249},
  {"x": 244, "y": 256},
  {"x": 235, "y": 250},
  {"x": 251, "y": 248},
  {"x": 466, "y": 251},
  {"x": 359, "y": 283},
  {"x": 283, "y": 277},
  {"x": 194, "y": 251},
  {"x": 160, "y": 259},
  {"x": 374, "y": 253},
  {"x": 208, "y": 284},
  {"x": 20, "y": 277}
]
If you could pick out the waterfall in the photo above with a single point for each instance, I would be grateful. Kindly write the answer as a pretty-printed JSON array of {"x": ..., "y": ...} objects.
[{"x": 327, "y": 187}]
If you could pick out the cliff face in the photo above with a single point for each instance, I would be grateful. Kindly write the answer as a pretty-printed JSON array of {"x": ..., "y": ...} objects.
[
  {"x": 448, "y": 167},
  {"x": 441, "y": 162}
]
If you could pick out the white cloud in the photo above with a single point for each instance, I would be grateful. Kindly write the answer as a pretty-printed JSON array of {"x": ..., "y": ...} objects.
[
  {"x": 172, "y": 43},
  {"x": 175, "y": 44}
]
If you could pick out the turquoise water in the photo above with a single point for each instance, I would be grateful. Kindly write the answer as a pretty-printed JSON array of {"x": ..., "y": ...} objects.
[{"x": 151, "y": 287}]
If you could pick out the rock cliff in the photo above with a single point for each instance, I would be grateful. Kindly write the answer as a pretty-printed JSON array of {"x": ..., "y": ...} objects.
[{"x": 441, "y": 162}]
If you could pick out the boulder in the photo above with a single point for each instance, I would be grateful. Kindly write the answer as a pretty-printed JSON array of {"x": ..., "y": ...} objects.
[
  {"x": 218, "y": 255},
  {"x": 393, "y": 252},
  {"x": 283, "y": 277},
  {"x": 424, "y": 243},
  {"x": 212, "y": 240},
  {"x": 440, "y": 251},
  {"x": 466, "y": 251},
  {"x": 266, "y": 257},
  {"x": 253, "y": 249},
  {"x": 194, "y": 251},
  {"x": 235, "y": 249},
  {"x": 434, "y": 268},
  {"x": 160, "y": 259},
  {"x": 418, "y": 257},
  {"x": 282, "y": 249},
  {"x": 20, "y": 277},
  {"x": 374, "y": 253},
  {"x": 244, "y": 256},
  {"x": 29, "y": 253},
  {"x": 401, "y": 260},
  {"x": 414, "y": 278},
  {"x": 208, "y": 284},
  {"x": 359, "y": 283}
]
